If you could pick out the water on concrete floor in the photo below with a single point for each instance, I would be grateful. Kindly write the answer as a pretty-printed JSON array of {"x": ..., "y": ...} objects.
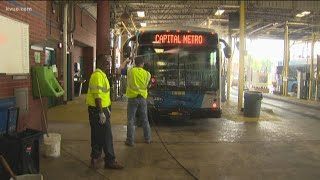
[{"x": 232, "y": 147}]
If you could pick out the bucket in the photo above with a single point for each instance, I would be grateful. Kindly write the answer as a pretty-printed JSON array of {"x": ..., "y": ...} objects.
[
  {"x": 51, "y": 144},
  {"x": 29, "y": 177}
]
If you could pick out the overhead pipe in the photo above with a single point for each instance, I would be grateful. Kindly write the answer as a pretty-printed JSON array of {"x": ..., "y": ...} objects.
[
  {"x": 134, "y": 26},
  {"x": 126, "y": 28},
  {"x": 281, "y": 24},
  {"x": 296, "y": 24},
  {"x": 254, "y": 24},
  {"x": 261, "y": 28},
  {"x": 302, "y": 24},
  {"x": 121, "y": 32},
  {"x": 307, "y": 38},
  {"x": 229, "y": 6},
  {"x": 220, "y": 20},
  {"x": 296, "y": 30},
  {"x": 248, "y": 27}
]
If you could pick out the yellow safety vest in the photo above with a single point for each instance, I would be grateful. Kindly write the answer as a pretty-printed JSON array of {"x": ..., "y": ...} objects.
[
  {"x": 137, "y": 82},
  {"x": 99, "y": 87}
]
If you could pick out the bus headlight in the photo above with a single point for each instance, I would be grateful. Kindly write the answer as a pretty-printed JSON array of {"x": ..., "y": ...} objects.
[
  {"x": 153, "y": 81},
  {"x": 214, "y": 105}
]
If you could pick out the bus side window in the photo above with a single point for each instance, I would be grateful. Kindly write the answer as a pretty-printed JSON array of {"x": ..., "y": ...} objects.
[
  {"x": 128, "y": 47},
  {"x": 127, "y": 52},
  {"x": 213, "y": 58}
]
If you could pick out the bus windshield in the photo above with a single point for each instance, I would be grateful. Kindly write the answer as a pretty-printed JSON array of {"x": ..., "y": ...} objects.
[{"x": 181, "y": 68}]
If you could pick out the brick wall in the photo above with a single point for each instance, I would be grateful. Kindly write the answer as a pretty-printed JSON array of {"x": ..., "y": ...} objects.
[
  {"x": 44, "y": 25},
  {"x": 84, "y": 37},
  {"x": 85, "y": 34},
  {"x": 86, "y": 29},
  {"x": 36, "y": 18}
]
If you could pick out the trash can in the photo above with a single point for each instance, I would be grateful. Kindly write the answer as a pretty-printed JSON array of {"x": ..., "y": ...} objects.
[
  {"x": 252, "y": 103},
  {"x": 21, "y": 150}
]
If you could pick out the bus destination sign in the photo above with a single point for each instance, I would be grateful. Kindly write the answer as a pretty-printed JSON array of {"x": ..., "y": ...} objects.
[{"x": 191, "y": 39}]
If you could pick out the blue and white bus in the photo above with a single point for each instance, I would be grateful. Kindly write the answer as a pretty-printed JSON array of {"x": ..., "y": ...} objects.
[{"x": 184, "y": 63}]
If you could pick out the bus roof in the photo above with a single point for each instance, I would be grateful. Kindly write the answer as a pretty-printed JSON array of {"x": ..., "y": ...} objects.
[{"x": 174, "y": 27}]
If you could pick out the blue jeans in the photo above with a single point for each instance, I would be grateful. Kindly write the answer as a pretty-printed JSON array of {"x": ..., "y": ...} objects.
[
  {"x": 137, "y": 105},
  {"x": 101, "y": 136}
]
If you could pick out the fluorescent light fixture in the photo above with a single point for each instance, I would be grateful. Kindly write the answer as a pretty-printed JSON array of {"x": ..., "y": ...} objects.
[
  {"x": 36, "y": 48},
  {"x": 143, "y": 24},
  {"x": 161, "y": 63},
  {"x": 49, "y": 48},
  {"x": 304, "y": 13},
  {"x": 219, "y": 12},
  {"x": 299, "y": 15},
  {"x": 159, "y": 50},
  {"x": 140, "y": 13}
]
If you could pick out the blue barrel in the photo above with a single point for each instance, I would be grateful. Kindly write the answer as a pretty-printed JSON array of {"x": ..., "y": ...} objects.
[{"x": 252, "y": 103}]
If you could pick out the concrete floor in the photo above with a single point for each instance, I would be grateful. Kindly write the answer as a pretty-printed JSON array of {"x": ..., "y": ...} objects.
[{"x": 277, "y": 145}]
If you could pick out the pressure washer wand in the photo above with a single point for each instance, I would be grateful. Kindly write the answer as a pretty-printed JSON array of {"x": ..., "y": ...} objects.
[{"x": 42, "y": 108}]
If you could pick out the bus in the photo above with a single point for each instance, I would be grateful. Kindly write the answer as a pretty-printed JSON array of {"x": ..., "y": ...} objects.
[
  {"x": 293, "y": 79},
  {"x": 184, "y": 63}
]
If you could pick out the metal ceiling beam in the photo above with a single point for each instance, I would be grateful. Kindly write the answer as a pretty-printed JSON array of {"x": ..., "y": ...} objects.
[
  {"x": 227, "y": 4},
  {"x": 261, "y": 28},
  {"x": 173, "y": 13},
  {"x": 195, "y": 12}
]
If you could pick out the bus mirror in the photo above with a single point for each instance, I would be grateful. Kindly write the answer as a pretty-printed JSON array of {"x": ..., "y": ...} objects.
[
  {"x": 127, "y": 52},
  {"x": 227, "y": 52}
]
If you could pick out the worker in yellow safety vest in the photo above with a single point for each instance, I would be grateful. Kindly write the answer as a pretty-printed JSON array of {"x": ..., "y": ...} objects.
[
  {"x": 137, "y": 84},
  {"x": 98, "y": 101}
]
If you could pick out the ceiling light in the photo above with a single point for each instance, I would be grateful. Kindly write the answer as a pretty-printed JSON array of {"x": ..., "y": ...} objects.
[
  {"x": 143, "y": 24},
  {"x": 219, "y": 12},
  {"x": 303, "y": 14},
  {"x": 299, "y": 15},
  {"x": 159, "y": 51},
  {"x": 161, "y": 63},
  {"x": 140, "y": 13}
]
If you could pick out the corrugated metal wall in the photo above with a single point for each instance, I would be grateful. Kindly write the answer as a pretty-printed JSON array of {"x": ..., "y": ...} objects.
[
  {"x": 275, "y": 4},
  {"x": 308, "y": 5},
  {"x": 297, "y": 5}
]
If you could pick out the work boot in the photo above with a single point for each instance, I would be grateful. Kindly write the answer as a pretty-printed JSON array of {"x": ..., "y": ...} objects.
[
  {"x": 94, "y": 164},
  {"x": 128, "y": 143},
  {"x": 114, "y": 165}
]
